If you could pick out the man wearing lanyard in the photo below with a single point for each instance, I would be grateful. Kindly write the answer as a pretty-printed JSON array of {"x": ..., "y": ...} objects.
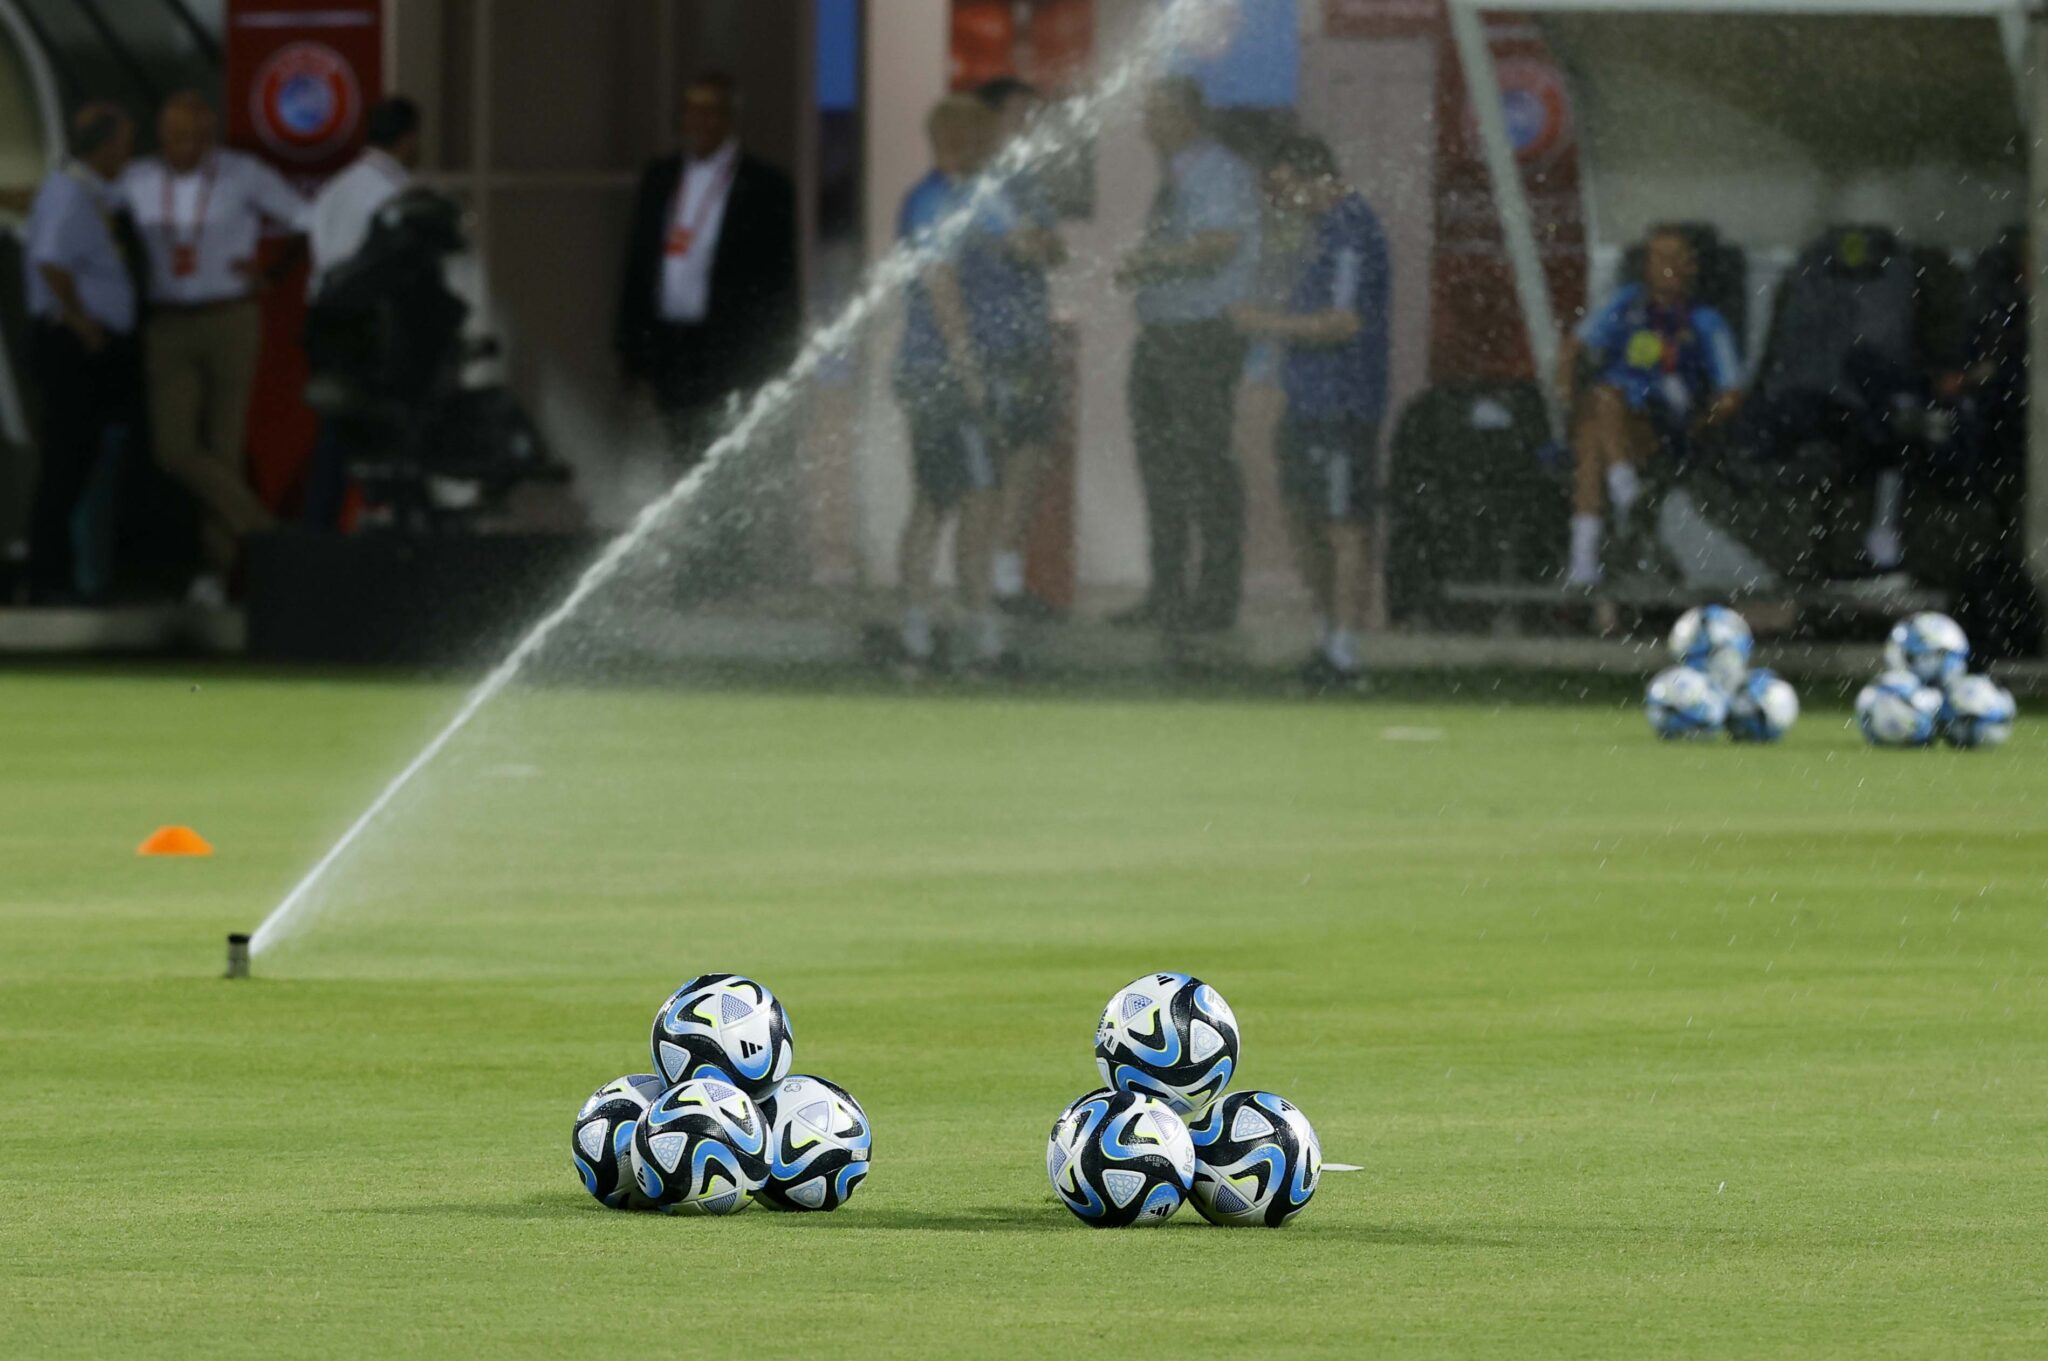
[
  {"x": 709, "y": 304},
  {"x": 199, "y": 210},
  {"x": 340, "y": 224},
  {"x": 82, "y": 298}
]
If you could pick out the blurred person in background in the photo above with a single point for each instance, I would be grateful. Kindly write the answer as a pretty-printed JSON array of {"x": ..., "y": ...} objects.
[
  {"x": 710, "y": 304},
  {"x": 339, "y": 225},
  {"x": 1663, "y": 367},
  {"x": 1024, "y": 377},
  {"x": 944, "y": 385},
  {"x": 1198, "y": 259},
  {"x": 81, "y": 296},
  {"x": 200, "y": 210},
  {"x": 1334, "y": 375}
]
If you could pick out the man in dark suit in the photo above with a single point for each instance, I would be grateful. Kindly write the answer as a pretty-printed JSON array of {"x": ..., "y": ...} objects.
[{"x": 710, "y": 303}]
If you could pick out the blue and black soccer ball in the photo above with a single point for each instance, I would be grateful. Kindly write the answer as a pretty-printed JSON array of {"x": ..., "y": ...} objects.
[
  {"x": 1977, "y": 712},
  {"x": 1762, "y": 708},
  {"x": 726, "y": 1026},
  {"x": 1169, "y": 1036},
  {"x": 1117, "y": 1159},
  {"x": 1257, "y": 1161},
  {"x": 702, "y": 1149},
  {"x": 601, "y": 1141},
  {"x": 819, "y": 1145},
  {"x": 1683, "y": 703},
  {"x": 1931, "y": 646}
]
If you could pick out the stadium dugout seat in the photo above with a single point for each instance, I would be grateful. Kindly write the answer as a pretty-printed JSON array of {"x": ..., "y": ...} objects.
[
  {"x": 1470, "y": 498},
  {"x": 1860, "y": 326}
]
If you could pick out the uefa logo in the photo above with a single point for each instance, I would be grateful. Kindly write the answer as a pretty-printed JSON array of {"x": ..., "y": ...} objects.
[{"x": 305, "y": 101}]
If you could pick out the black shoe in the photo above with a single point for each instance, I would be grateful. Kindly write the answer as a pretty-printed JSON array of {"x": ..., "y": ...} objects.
[
  {"x": 1147, "y": 613},
  {"x": 1323, "y": 676},
  {"x": 1031, "y": 608}
]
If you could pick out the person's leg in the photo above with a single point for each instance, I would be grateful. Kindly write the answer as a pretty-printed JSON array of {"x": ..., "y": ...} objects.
[
  {"x": 1025, "y": 470},
  {"x": 72, "y": 425},
  {"x": 917, "y": 560},
  {"x": 1350, "y": 552},
  {"x": 200, "y": 368},
  {"x": 973, "y": 551},
  {"x": 1209, "y": 450},
  {"x": 1610, "y": 443},
  {"x": 1153, "y": 430}
]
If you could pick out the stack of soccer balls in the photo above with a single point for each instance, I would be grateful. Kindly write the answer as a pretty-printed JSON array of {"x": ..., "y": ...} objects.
[
  {"x": 1712, "y": 689},
  {"x": 723, "y": 1121},
  {"x": 1161, "y": 1131},
  {"x": 1927, "y": 691}
]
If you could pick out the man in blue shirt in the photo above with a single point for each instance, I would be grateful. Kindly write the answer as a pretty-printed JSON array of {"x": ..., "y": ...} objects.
[
  {"x": 1334, "y": 328},
  {"x": 82, "y": 298},
  {"x": 1664, "y": 366},
  {"x": 943, "y": 380},
  {"x": 1025, "y": 383},
  {"x": 1198, "y": 260}
]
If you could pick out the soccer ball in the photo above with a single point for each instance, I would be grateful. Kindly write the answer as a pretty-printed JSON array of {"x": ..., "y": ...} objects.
[
  {"x": 1931, "y": 646},
  {"x": 1762, "y": 708},
  {"x": 818, "y": 1145},
  {"x": 1169, "y": 1036},
  {"x": 723, "y": 1025},
  {"x": 1257, "y": 1160},
  {"x": 1682, "y": 702},
  {"x": 1896, "y": 710},
  {"x": 702, "y": 1149},
  {"x": 601, "y": 1141},
  {"x": 1713, "y": 639},
  {"x": 1117, "y": 1159},
  {"x": 1978, "y": 712}
]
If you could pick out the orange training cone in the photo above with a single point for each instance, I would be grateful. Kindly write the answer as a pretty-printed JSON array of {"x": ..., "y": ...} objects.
[{"x": 175, "y": 841}]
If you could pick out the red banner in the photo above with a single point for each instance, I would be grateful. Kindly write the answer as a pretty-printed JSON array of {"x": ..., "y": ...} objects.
[
  {"x": 299, "y": 76},
  {"x": 1477, "y": 333}
]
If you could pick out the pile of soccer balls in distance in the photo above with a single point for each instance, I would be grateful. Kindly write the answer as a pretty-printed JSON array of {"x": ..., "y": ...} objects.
[
  {"x": 1927, "y": 691},
  {"x": 1712, "y": 689},
  {"x": 724, "y": 1122},
  {"x": 1161, "y": 1131}
]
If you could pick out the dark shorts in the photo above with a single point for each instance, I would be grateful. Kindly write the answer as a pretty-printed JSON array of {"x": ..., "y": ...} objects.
[
  {"x": 1024, "y": 399},
  {"x": 951, "y": 452},
  {"x": 1330, "y": 469}
]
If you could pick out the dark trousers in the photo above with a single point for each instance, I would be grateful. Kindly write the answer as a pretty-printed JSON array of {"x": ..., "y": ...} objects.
[
  {"x": 327, "y": 478},
  {"x": 84, "y": 396},
  {"x": 1183, "y": 401}
]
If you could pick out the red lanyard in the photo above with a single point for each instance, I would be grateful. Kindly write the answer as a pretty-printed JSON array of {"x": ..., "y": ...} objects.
[
  {"x": 185, "y": 254},
  {"x": 682, "y": 236}
]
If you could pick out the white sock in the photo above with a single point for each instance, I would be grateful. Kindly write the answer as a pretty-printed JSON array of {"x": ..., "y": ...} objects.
[
  {"x": 917, "y": 633},
  {"x": 1624, "y": 488},
  {"x": 1342, "y": 649},
  {"x": 1585, "y": 565},
  {"x": 1007, "y": 573},
  {"x": 988, "y": 636}
]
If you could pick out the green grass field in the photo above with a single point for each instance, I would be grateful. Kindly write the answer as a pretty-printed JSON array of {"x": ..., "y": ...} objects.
[{"x": 1646, "y": 1051}]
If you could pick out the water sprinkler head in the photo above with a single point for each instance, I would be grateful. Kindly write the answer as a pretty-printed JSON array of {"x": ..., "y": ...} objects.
[{"x": 238, "y": 955}]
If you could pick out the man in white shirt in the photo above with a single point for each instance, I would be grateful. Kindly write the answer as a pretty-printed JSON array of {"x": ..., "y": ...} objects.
[
  {"x": 340, "y": 220},
  {"x": 200, "y": 210},
  {"x": 340, "y": 225},
  {"x": 709, "y": 304},
  {"x": 82, "y": 349}
]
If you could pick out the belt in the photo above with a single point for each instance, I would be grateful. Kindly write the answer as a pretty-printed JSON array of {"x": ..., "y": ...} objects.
[{"x": 217, "y": 305}]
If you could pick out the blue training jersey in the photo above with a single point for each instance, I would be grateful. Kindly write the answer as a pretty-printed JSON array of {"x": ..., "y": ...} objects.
[
  {"x": 1676, "y": 356},
  {"x": 1009, "y": 300},
  {"x": 1346, "y": 270},
  {"x": 976, "y": 254}
]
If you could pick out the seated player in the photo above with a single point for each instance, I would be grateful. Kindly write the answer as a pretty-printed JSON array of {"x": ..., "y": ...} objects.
[
  {"x": 1664, "y": 367},
  {"x": 1334, "y": 330},
  {"x": 942, "y": 384}
]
